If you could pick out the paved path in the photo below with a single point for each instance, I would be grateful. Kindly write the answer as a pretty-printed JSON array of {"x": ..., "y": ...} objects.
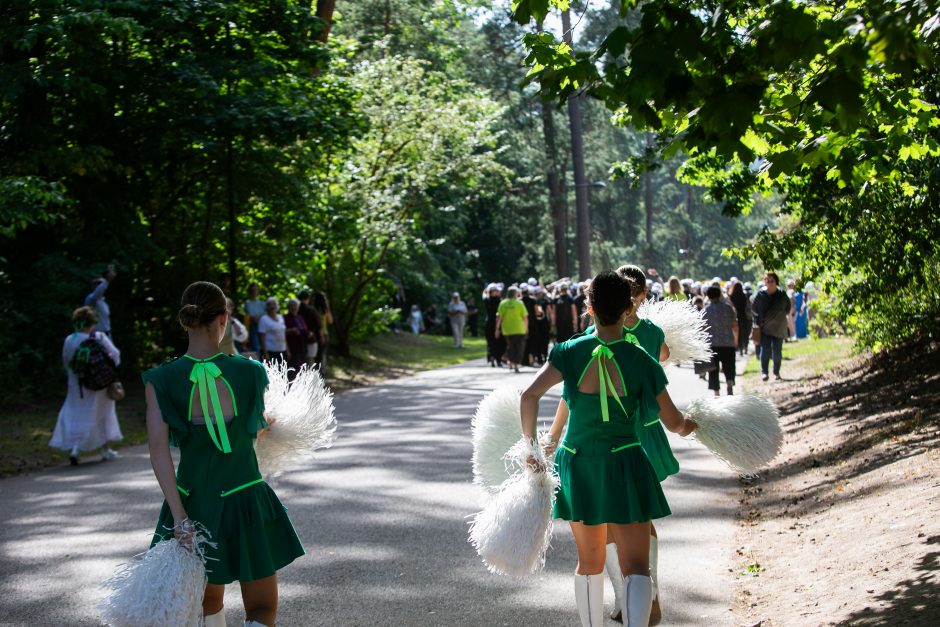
[{"x": 383, "y": 517}]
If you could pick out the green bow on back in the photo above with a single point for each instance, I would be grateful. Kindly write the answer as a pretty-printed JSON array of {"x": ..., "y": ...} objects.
[
  {"x": 600, "y": 354},
  {"x": 203, "y": 375}
]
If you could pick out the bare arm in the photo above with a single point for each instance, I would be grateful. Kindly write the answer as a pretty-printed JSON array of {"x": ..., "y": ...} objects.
[
  {"x": 547, "y": 377},
  {"x": 671, "y": 417},
  {"x": 558, "y": 426},
  {"x": 158, "y": 439},
  {"x": 499, "y": 324},
  {"x": 663, "y": 352}
]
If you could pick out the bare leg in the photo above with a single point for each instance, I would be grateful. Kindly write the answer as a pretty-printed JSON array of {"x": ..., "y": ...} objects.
[
  {"x": 591, "y": 540},
  {"x": 633, "y": 545},
  {"x": 589, "y": 578},
  {"x": 212, "y": 601},
  {"x": 260, "y": 598}
]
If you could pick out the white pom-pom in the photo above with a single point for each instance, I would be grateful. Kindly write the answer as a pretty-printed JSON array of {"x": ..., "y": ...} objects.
[
  {"x": 685, "y": 329},
  {"x": 163, "y": 587},
  {"x": 743, "y": 431},
  {"x": 303, "y": 415},
  {"x": 514, "y": 529},
  {"x": 496, "y": 427}
]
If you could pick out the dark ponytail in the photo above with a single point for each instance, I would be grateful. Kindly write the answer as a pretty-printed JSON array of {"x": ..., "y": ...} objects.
[
  {"x": 610, "y": 296},
  {"x": 202, "y": 303}
]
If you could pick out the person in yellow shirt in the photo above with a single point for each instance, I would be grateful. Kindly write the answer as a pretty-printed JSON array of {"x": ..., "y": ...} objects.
[{"x": 512, "y": 321}]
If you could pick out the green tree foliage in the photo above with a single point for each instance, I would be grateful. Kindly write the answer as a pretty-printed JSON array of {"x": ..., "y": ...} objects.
[
  {"x": 430, "y": 153},
  {"x": 832, "y": 106},
  {"x": 173, "y": 138}
]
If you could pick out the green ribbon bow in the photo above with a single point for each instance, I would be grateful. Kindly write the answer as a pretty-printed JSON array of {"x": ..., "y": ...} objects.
[
  {"x": 203, "y": 375},
  {"x": 600, "y": 354},
  {"x": 631, "y": 339}
]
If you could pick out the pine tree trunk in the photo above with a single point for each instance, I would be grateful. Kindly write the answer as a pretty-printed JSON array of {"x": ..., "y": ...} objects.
[
  {"x": 324, "y": 11},
  {"x": 583, "y": 226},
  {"x": 557, "y": 205}
]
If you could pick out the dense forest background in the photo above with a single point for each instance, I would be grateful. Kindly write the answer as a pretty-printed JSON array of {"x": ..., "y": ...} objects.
[{"x": 384, "y": 151}]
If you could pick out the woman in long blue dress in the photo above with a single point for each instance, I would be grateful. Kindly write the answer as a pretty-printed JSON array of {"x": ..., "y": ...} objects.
[{"x": 800, "y": 305}]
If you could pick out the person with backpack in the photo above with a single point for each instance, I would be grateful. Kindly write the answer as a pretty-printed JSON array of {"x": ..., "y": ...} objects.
[{"x": 88, "y": 419}]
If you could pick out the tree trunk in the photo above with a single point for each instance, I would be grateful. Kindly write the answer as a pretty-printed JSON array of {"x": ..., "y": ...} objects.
[
  {"x": 557, "y": 203},
  {"x": 577, "y": 160},
  {"x": 324, "y": 11},
  {"x": 648, "y": 193}
]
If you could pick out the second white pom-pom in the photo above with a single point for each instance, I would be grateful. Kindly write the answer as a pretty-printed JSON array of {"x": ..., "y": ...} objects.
[{"x": 743, "y": 431}]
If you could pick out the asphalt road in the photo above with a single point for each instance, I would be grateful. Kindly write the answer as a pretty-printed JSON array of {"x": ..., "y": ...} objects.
[{"x": 383, "y": 516}]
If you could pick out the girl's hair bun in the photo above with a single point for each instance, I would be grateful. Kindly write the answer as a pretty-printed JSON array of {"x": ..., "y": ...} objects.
[{"x": 202, "y": 303}]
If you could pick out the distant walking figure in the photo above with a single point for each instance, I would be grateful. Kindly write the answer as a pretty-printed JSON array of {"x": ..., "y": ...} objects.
[
  {"x": 771, "y": 307},
  {"x": 88, "y": 418}
]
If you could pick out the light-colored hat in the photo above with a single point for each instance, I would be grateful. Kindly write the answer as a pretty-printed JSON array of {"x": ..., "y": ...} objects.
[
  {"x": 455, "y": 295},
  {"x": 491, "y": 287},
  {"x": 500, "y": 286},
  {"x": 657, "y": 288},
  {"x": 524, "y": 287},
  {"x": 533, "y": 281}
]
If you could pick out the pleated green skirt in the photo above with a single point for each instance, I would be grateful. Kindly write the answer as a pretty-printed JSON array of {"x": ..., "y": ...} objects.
[
  {"x": 617, "y": 487},
  {"x": 254, "y": 536}
]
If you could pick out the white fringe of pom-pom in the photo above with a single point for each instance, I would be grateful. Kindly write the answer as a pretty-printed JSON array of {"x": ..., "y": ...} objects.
[
  {"x": 685, "y": 329},
  {"x": 164, "y": 587},
  {"x": 495, "y": 427},
  {"x": 513, "y": 531},
  {"x": 303, "y": 415},
  {"x": 743, "y": 431}
]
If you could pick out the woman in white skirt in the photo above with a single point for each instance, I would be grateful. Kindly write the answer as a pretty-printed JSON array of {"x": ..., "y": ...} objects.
[{"x": 87, "y": 419}]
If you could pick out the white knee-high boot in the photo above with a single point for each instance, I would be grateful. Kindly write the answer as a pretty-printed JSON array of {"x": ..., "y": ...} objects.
[
  {"x": 637, "y": 600},
  {"x": 589, "y": 593},
  {"x": 612, "y": 566},
  {"x": 656, "y": 614},
  {"x": 215, "y": 620}
]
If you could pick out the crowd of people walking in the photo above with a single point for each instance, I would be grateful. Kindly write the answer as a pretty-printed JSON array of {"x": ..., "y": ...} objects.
[{"x": 523, "y": 319}]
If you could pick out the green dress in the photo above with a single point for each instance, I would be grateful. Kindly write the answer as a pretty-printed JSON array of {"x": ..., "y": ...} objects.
[
  {"x": 651, "y": 433},
  {"x": 218, "y": 477},
  {"x": 605, "y": 475}
]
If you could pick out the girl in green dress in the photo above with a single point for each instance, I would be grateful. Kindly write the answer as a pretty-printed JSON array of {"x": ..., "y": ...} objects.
[
  {"x": 607, "y": 483},
  {"x": 651, "y": 435},
  {"x": 211, "y": 406}
]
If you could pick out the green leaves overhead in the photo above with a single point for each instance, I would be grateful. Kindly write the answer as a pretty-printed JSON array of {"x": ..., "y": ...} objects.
[{"x": 751, "y": 79}]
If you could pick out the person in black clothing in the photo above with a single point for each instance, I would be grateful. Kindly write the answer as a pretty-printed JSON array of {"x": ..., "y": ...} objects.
[
  {"x": 312, "y": 319},
  {"x": 529, "y": 301},
  {"x": 742, "y": 307},
  {"x": 580, "y": 306},
  {"x": 473, "y": 316},
  {"x": 565, "y": 315},
  {"x": 540, "y": 329},
  {"x": 495, "y": 346}
]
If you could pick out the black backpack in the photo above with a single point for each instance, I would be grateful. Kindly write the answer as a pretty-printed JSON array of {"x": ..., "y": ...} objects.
[{"x": 95, "y": 369}]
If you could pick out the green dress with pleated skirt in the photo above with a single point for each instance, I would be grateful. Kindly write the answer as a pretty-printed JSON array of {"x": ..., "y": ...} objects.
[
  {"x": 605, "y": 475},
  {"x": 218, "y": 477},
  {"x": 649, "y": 429}
]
